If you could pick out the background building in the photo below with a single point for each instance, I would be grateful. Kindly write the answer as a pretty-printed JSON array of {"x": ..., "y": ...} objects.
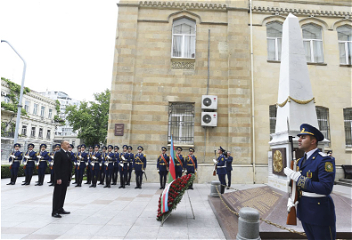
[
  {"x": 37, "y": 127},
  {"x": 168, "y": 54}
]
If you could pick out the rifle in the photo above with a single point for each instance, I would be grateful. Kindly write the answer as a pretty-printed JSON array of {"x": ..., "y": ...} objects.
[
  {"x": 291, "y": 217},
  {"x": 215, "y": 163},
  {"x": 11, "y": 160},
  {"x": 145, "y": 175}
]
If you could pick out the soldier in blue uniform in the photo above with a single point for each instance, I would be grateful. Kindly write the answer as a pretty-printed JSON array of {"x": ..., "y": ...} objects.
[
  {"x": 130, "y": 164},
  {"x": 42, "y": 156},
  {"x": 82, "y": 160},
  {"x": 179, "y": 162},
  {"x": 72, "y": 158},
  {"x": 102, "y": 173},
  {"x": 95, "y": 161},
  {"x": 221, "y": 168},
  {"x": 109, "y": 165},
  {"x": 229, "y": 161},
  {"x": 89, "y": 167},
  {"x": 76, "y": 164},
  {"x": 163, "y": 167},
  {"x": 29, "y": 158},
  {"x": 116, "y": 165},
  {"x": 123, "y": 166},
  {"x": 139, "y": 165},
  {"x": 15, "y": 160},
  {"x": 191, "y": 164},
  {"x": 314, "y": 178}
]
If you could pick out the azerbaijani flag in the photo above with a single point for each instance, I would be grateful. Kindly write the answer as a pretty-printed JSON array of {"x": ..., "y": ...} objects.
[
  {"x": 172, "y": 169},
  {"x": 164, "y": 197}
]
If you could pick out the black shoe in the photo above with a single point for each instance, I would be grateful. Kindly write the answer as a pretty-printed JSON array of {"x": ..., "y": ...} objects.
[
  {"x": 74, "y": 183},
  {"x": 92, "y": 186},
  {"x": 106, "y": 186},
  {"x": 23, "y": 181},
  {"x": 122, "y": 187},
  {"x": 24, "y": 184},
  {"x": 136, "y": 187},
  {"x": 50, "y": 182},
  {"x": 228, "y": 188},
  {"x": 79, "y": 185},
  {"x": 10, "y": 183},
  {"x": 38, "y": 184},
  {"x": 86, "y": 183},
  {"x": 63, "y": 212},
  {"x": 51, "y": 185},
  {"x": 100, "y": 183},
  {"x": 56, "y": 215},
  {"x": 113, "y": 183},
  {"x": 161, "y": 188}
]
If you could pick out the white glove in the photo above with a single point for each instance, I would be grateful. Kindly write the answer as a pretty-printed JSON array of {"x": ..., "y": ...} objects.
[
  {"x": 143, "y": 171},
  {"x": 27, "y": 157},
  {"x": 215, "y": 161},
  {"x": 37, "y": 163},
  {"x": 195, "y": 171},
  {"x": 94, "y": 157},
  {"x": 52, "y": 157},
  {"x": 158, "y": 170},
  {"x": 13, "y": 156},
  {"x": 39, "y": 157},
  {"x": 292, "y": 174},
  {"x": 290, "y": 204},
  {"x": 108, "y": 157},
  {"x": 183, "y": 170},
  {"x": 106, "y": 163}
]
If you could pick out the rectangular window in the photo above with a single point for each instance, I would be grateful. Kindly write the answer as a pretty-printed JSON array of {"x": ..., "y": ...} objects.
[
  {"x": 181, "y": 123},
  {"x": 6, "y": 99},
  {"x": 272, "y": 117},
  {"x": 323, "y": 121},
  {"x": 314, "y": 50},
  {"x": 26, "y": 105},
  {"x": 48, "y": 133},
  {"x": 24, "y": 130},
  {"x": 42, "y": 111},
  {"x": 347, "y": 116},
  {"x": 35, "y": 109},
  {"x": 33, "y": 132},
  {"x": 50, "y": 113}
]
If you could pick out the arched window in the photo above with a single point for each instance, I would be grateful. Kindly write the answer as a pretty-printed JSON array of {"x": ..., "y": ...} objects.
[
  {"x": 323, "y": 121},
  {"x": 344, "y": 34},
  {"x": 274, "y": 37},
  {"x": 313, "y": 43},
  {"x": 184, "y": 38}
]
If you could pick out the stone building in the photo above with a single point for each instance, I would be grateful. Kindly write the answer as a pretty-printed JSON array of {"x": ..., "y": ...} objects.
[
  {"x": 170, "y": 53},
  {"x": 37, "y": 127}
]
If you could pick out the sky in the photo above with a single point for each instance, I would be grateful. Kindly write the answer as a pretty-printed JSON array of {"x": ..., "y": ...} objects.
[{"x": 68, "y": 45}]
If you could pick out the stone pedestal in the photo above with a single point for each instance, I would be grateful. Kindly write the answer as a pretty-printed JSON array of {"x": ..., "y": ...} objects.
[{"x": 215, "y": 187}]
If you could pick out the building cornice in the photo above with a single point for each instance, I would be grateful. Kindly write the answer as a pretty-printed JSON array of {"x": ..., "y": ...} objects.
[
  {"x": 176, "y": 5},
  {"x": 346, "y": 4}
]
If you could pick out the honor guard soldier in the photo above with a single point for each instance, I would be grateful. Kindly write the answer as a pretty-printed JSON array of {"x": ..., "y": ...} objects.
[
  {"x": 15, "y": 160},
  {"x": 29, "y": 158},
  {"x": 314, "y": 177},
  {"x": 89, "y": 167},
  {"x": 139, "y": 165},
  {"x": 123, "y": 166},
  {"x": 116, "y": 165},
  {"x": 102, "y": 166},
  {"x": 82, "y": 160},
  {"x": 72, "y": 158},
  {"x": 51, "y": 163},
  {"x": 221, "y": 168},
  {"x": 95, "y": 161},
  {"x": 229, "y": 161},
  {"x": 179, "y": 163},
  {"x": 191, "y": 163},
  {"x": 163, "y": 167},
  {"x": 42, "y": 156},
  {"x": 130, "y": 164},
  {"x": 109, "y": 165},
  {"x": 76, "y": 164}
]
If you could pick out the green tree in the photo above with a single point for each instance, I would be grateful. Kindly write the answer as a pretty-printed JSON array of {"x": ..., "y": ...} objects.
[{"x": 91, "y": 118}]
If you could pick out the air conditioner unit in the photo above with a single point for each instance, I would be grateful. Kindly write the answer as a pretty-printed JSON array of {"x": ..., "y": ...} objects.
[
  {"x": 209, "y": 102},
  {"x": 209, "y": 119}
]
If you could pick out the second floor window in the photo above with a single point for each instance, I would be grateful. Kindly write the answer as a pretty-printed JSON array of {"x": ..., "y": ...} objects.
[
  {"x": 344, "y": 34},
  {"x": 184, "y": 38},
  {"x": 42, "y": 111},
  {"x": 323, "y": 121},
  {"x": 26, "y": 105},
  {"x": 35, "y": 109},
  {"x": 33, "y": 132},
  {"x": 313, "y": 43},
  {"x": 40, "y": 134},
  {"x": 274, "y": 37},
  {"x": 48, "y": 134},
  {"x": 24, "y": 130},
  {"x": 347, "y": 117},
  {"x": 50, "y": 113}
]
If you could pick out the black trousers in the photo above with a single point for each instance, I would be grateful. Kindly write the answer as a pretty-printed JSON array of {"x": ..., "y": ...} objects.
[
  {"x": 229, "y": 178},
  {"x": 162, "y": 178},
  {"x": 59, "y": 197},
  {"x": 115, "y": 174}
]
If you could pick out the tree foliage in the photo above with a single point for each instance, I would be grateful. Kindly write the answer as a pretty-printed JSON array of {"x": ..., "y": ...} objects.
[
  {"x": 91, "y": 118},
  {"x": 14, "y": 96}
]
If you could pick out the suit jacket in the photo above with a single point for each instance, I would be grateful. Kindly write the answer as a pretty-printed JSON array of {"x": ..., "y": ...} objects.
[{"x": 62, "y": 162}]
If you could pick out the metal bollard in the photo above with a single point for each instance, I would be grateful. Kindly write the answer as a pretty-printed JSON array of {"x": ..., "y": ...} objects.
[
  {"x": 248, "y": 224},
  {"x": 215, "y": 187}
]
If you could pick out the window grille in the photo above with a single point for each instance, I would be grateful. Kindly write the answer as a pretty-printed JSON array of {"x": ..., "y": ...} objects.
[{"x": 181, "y": 123}]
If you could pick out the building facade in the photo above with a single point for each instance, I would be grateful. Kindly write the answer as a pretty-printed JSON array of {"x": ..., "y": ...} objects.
[
  {"x": 169, "y": 54},
  {"x": 37, "y": 127}
]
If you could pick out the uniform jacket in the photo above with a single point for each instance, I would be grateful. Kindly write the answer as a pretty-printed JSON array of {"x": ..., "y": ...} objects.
[
  {"x": 229, "y": 161},
  {"x": 117, "y": 159},
  {"x": 221, "y": 165},
  {"x": 18, "y": 157},
  {"x": 317, "y": 176},
  {"x": 62, "y": 164},
  {"x": 33, "y": 156},
  {"x": 45, "y": 157},
  {"x": 139, "y": 162},
  {"x": 130, "y": 159},
  {"x": 161, "y": 165},
  {"x": 189, "y": 164},
  {"x": 98, "y": 158},
  {"x": 180, "y": 163}
]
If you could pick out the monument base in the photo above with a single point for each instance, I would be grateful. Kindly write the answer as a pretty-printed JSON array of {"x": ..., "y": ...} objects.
[
  {"x": 271, "y": 204},
  {"x": 279, "y": 183}
]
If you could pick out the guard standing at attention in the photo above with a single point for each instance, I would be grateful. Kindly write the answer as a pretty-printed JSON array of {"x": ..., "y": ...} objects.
[
  {"x": 95, "y": 165},
  {"x": 163, "y": 167},
  {"x": 139, "y": 165},
  {"x": 179, "y": 163},
  {"x": 42, "y": 156},
  {"x": 15, "y": 160},
  {"x": 191, "y": 162},
  {"x": 116, "y": 165},
  {"x": 28, "y": 162},
  {"x": 89, "y": 167},
  {"x": 221, "y": 168},
  {"x": 102, "y": 166},
  {"x": 109, "y": 165},
  {"x": 130, "y": 164},
  {"x": 123, "y": 167},
  {"x": 72, "y": 158},
  {"x": 76, "y": 163},
  {"x": 82, "y": 160},
  {"x": 314, "y": 177},
  {"x": 229, "y": 161}
]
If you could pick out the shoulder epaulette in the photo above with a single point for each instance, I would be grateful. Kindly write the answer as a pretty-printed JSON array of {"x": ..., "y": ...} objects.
[{"x": 323, "y": 154}]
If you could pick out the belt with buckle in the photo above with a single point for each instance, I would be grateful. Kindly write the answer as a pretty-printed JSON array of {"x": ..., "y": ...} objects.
[{"x": 313, "y": 195}]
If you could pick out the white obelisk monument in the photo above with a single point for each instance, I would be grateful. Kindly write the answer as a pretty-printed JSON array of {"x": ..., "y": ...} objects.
[{"x": 295, "y": 104}]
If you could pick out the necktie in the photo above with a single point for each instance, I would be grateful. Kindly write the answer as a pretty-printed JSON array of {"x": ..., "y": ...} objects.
[{"x": 304, "y": 159}]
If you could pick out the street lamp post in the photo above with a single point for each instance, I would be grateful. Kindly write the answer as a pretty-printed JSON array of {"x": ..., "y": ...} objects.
[{"x": 19, "y": 106}]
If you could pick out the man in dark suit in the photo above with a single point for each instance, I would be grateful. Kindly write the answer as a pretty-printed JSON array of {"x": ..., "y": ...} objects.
[{"x": 61, "y": 179}]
